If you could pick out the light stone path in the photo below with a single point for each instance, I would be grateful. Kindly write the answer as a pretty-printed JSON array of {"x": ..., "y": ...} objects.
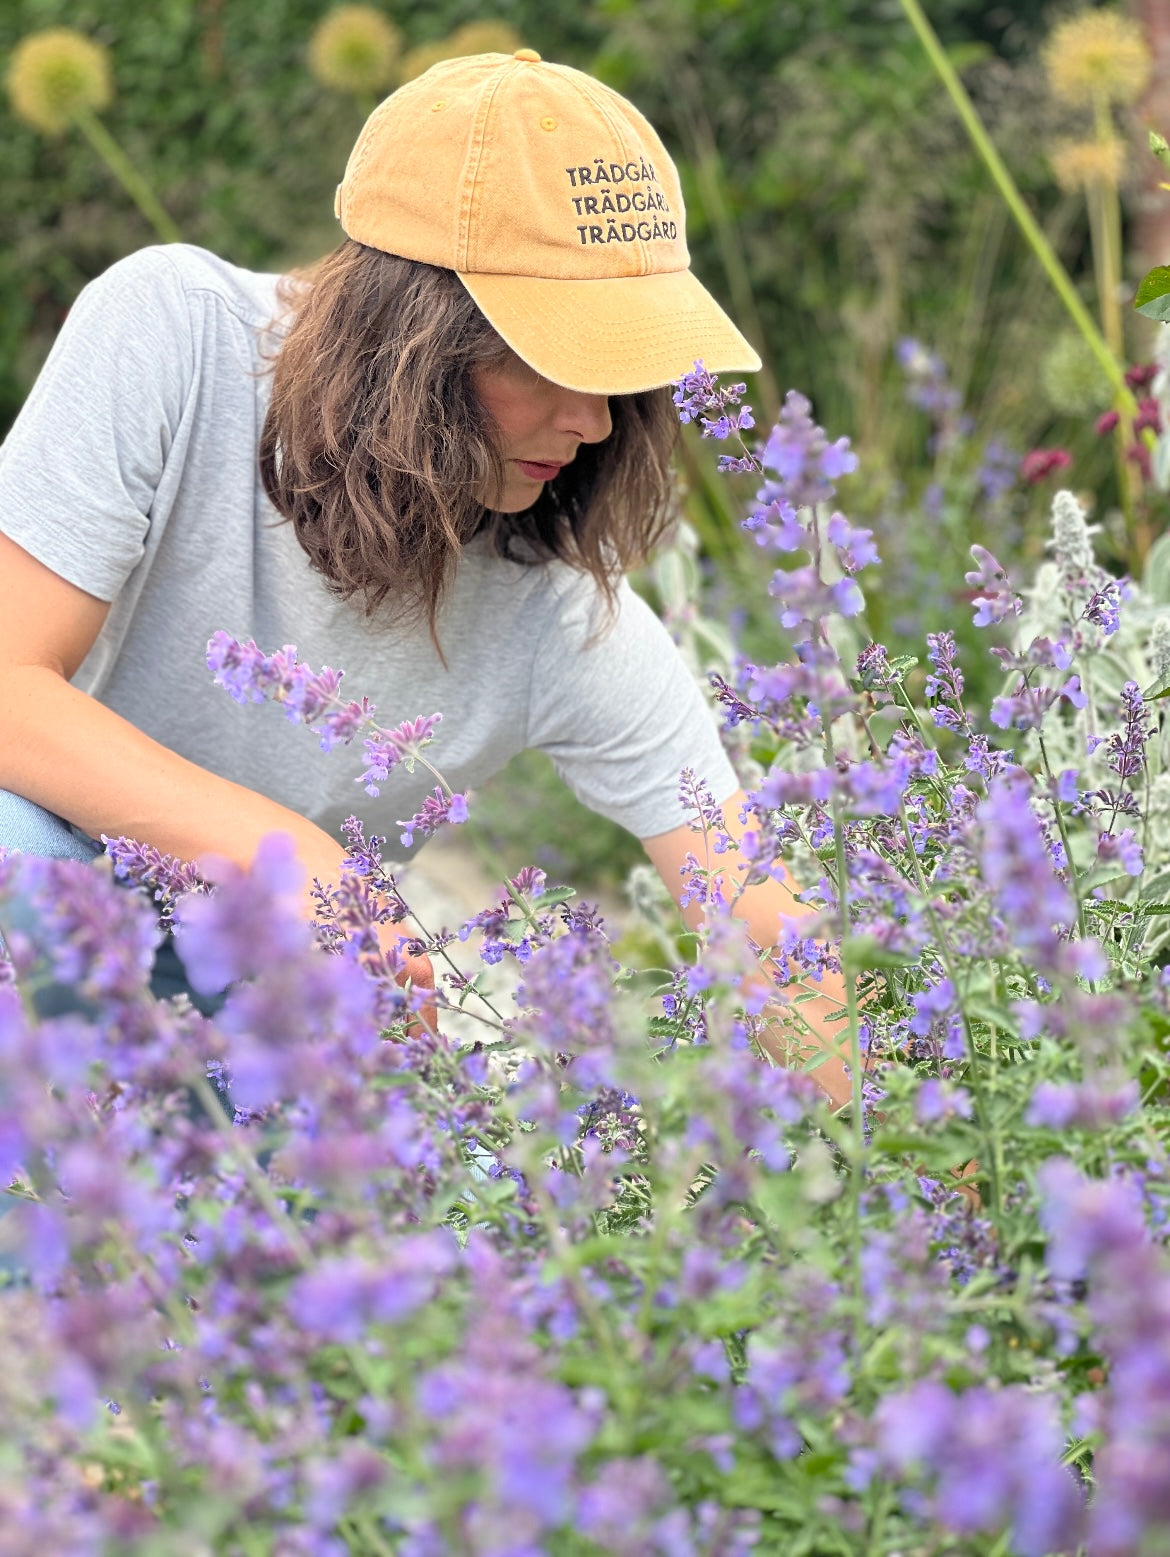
[{"x": 445, "y": 886}]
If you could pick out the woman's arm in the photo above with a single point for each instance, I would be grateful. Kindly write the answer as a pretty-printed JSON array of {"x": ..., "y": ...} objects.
[
  {"x": 67, "y": 752},
  {"x": 760, "y": 907}
]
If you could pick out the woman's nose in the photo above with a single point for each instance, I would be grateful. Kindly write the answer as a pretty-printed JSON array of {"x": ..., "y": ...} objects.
[{"x": 585, "y": 416}]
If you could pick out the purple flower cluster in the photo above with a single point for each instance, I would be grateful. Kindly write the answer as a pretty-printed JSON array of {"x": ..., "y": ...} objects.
[
  {"x": 310, "y": 1275},
  {"x": 313, "y": 698}
]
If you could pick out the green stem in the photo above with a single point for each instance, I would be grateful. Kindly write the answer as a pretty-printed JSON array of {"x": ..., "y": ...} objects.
[
  {"x": 1043, "y": 250},
  {"x": 857, "y": 1123},
  {"x": 1064, "y": 839},
  {"x": 974, "y": 1072},
  {"x": 127, "y": 175}
]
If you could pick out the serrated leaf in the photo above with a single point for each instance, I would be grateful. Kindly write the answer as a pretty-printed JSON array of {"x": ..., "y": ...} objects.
[
  {"x": 1153, "y": 294},
  {"x": 551, "y": 898}
]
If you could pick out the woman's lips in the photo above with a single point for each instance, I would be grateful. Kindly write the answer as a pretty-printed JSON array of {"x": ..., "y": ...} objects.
[{"x": 538, "y": 472}]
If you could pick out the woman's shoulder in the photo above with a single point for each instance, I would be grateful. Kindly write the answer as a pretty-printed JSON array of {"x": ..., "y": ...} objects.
[{"x": 181, "y": 272}]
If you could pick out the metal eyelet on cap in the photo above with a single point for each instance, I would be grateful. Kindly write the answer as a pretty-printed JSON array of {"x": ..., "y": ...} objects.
[
  {"x": 529, "y": 56},
  {"x": 548, "y": 123}
]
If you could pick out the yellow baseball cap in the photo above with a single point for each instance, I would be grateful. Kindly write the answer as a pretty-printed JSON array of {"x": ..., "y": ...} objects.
[{"x": 557, "y": 206}]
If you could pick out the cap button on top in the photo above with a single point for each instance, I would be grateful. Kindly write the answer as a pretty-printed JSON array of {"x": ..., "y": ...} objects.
[{"x": 529, "y": 56}]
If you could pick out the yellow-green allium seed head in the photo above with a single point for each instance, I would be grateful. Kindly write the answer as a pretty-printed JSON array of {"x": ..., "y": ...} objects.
[
  {"x": 484, "y": 38},
  {"x": 55, "y": 75},
  {"x": 1081, "y": 164},
  {"x": 1074, "y": 381},
  {"x": 353, "y": 49},
  {"x": 1098, "y": 54},
  {"x": 471, "y": 38}
]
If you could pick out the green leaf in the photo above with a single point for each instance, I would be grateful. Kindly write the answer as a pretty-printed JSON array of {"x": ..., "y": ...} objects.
[
  {"x": 863, "y": 951},
  {"x": 1160, "y": 147},
  {"x": 1156, "y": 573},
  {"x": 1099, "y": 875},
  {"x": 552, "y": 898},
  {"x": 1153, "y": 295}
]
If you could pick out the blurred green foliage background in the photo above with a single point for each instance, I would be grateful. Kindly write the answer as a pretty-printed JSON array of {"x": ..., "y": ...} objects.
[{"x": 834, "y": 206}]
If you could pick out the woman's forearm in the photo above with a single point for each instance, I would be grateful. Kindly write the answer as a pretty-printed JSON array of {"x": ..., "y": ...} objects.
[{"x": 67, "y": 752}]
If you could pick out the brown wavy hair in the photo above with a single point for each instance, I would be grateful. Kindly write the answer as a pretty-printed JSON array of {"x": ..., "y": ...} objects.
[{"x": 375, "y": 444}]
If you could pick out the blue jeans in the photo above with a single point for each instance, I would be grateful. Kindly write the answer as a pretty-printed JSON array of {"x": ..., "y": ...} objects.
[{"x": 33, "y": 830}]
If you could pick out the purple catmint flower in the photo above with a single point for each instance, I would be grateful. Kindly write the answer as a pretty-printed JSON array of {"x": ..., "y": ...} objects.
[
  {"x": 992, "y": 1458},
  {"x": 998, "y": 470},
  {"x": 795, "y": 789},
  {"x": 938, "y": 1100},
  {"x": 944, "y": 684},
  {"x": 997, "y": 602},
  {"x": 341, "y": 1296},
  {"x": 436, "y": 809},
  {"x": 1104, "y": 609},
  {"x": 164, "y": 876},
  {"x": 1092, "y": 1104},
  {"x": 735, "y": 710},
  {"x": 873, "y": 667},
  {"x": 1016, "y": 866},
  {"x": 307, "y": 696},
  {"x": 1122, "y": 848},
  {"x": 774, "y": 522},
  {"x": 855, "y": 548},
  {"x": 801, "y": 458},
  {"x": 251, "y": 924},
  {"x": 1026, "y": 707},
  {"x": 1097, "y": 1230},
  {"x": 87, "y": 932},
  {"x": 698, "y": 802},
  {"x": 718, "y": 411},
  {"x": 1125, "y": 750},
  {"x": 385, "y": 749},
  {"x": 805, "y": 598},
  {"x": 928, "y": 388}
]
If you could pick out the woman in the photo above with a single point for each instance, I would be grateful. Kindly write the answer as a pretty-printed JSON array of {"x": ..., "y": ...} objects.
[{"x": 428, "y": 463}]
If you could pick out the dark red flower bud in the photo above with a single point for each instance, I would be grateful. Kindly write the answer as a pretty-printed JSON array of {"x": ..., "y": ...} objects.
[
  {"x": 1141, "y": 374},
  {"x": 1149, "y": 415},
  {"x": 1106, "y": 422},
  {"x": 1038, "y": 463}
]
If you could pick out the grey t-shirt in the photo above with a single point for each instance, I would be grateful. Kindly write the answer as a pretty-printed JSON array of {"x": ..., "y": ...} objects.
[{"x": 132, "y": 472}]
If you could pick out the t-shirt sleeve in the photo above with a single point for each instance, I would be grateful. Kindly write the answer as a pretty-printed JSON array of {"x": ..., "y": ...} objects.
[
  {"x": 621, "y": 715},
  {"x": 82, "y": 464}
]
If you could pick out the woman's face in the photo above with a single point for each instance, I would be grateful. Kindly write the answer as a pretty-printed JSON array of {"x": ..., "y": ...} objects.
[{"x": 540, "y": 426}]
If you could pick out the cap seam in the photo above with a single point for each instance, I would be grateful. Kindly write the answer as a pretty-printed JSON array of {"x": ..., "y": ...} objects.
[
  {"x": 603, "y": 107},
  {"x": 474, "y": 160}
]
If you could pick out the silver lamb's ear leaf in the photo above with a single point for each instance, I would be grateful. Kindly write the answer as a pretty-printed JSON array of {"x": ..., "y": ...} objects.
[{"x": 1156, "y": 574}]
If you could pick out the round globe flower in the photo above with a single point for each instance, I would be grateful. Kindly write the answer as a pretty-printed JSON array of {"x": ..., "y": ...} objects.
[
  {"x": 1098, "y": 54},
  {"x": 1073, "y": 380},
  {"x": 1080, "y": 164},
  {"x": 471, "y": 38},
  {"x": 484, "y": 38},
  {"x": 57, "y": 74},
  {"x": 353, "y": 49}
]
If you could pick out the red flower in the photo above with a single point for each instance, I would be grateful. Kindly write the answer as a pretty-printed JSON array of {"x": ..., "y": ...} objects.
[
  {"x": 1106, "y": 422},
  {"x": 1140, "y": 375},
  {"x": 1038, "y": 463},
  {"x": 1148, "y": 416}
]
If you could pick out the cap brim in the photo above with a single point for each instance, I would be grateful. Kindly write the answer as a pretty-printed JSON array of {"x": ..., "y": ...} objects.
[{"x": 612, "y": 336}]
